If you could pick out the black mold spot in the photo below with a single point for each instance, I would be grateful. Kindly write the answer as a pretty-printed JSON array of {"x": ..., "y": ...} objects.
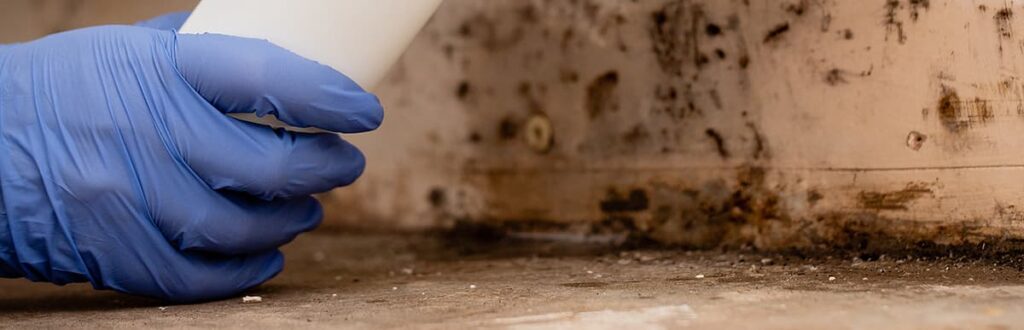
[
  {"x": 813, "y": 197},
  {"x": 719, "y": 142},
  {"x": 636, "y": 135},
  {"x": 916, "y": 6},
  {"x": 744, "y": 61},
  {"x": 636, "y": 201},
  {"x": 437, "y": 197},
  {"x": 569, "y": 76},
  {"x": 524, "y": 88},
  {"x": 891, "y": 23},
  {"x": 712, "y": 30},
  {"x": 848, "y": 34},
  {"x": 776, "y": 33},
  {"x": 702, "y": 60},
  {"x": 760, "y": 146},
  {"x": 674, "y": 34},
  {"x": 835, "y": 77},
  {"x": 463, "y": 90},
  {"x": 797, "y": 9},
  {"x": 508, "y": 129},
  {"x": 1003, "y": 19},
  {"x": 475, "y": 137},
  {"x": 720, "y": 53},
  {"x": 600, "y": 94}
]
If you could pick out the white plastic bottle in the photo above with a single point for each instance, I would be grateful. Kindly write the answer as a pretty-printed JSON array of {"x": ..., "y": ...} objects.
[{"x": 360, "y": 38}]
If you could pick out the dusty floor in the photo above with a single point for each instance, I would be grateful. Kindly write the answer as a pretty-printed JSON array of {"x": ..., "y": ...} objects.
[{"x": 387, "y": 281}]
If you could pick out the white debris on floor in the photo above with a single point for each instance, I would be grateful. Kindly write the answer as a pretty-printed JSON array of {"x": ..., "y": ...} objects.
[
  {"x": 657, "y": 317},
  {"x": 252, "y": 299}
]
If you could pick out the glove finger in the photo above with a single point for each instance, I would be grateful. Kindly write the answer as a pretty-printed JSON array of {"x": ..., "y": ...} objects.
[
  {"x": 241, "y": 75},
  {"x": 237, "y": 225},
  {"x": 171, "y": 21},
  {"x": 239, "y": 156},
  {"x": 195, "y": 277}
]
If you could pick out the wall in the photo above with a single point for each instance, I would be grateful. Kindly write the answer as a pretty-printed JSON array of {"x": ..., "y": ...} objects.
[{"x": 766, "y": 123}]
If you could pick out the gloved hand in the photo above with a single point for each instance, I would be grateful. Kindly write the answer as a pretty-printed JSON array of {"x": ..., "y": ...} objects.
[{"x": 118, "y": 165}]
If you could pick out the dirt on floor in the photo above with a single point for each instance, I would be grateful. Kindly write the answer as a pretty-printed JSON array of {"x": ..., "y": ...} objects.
[{"x": 360, "y": 280}]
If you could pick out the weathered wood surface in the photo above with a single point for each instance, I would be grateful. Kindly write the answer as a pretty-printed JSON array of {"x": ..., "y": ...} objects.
[{"x": 773, "y": 123}]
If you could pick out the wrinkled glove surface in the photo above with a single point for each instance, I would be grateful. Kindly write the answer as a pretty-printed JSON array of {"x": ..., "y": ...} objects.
[{"x": 120, "y": 167}]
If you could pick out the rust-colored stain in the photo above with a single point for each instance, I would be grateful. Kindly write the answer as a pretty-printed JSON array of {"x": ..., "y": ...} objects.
[
  {"x": 958, "y": 115},
  {"x": 894, "y": 200}
]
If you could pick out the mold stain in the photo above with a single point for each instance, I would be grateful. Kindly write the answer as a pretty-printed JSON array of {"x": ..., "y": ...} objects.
[
  {"x": 892, "y": 23},
  {"x": 1003, "y": 20},
  {"x": 798, "y": 8},
  {"x": 489, "y": 33},
  {"x": 719, "y": 142},
  {"x": 813, "y": 197},
  {"x": 462, "y": 90},
  {"x": 508, "y": 129},
  {"x": 958, "y": 115},
  {"x": 776, "y": 33},
  {"x": 916, "y": 6},
  {"x": 668, "y": 48},
  {"x": 601, "y": 94},
  {"x": 835, "y": 77},
  {"x": 437, "y": 197},
  {"x": 635, "y": 201},
  {"x": 893, "y": 200},
  {"x": 675, "y": 33}
]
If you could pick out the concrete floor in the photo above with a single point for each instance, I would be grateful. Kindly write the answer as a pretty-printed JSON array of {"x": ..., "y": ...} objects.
[{"x": 423, "y": 281}]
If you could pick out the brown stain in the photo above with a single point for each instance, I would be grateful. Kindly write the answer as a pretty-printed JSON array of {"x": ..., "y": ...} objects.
[
  {"x": 601, "y": 94},
  {"x": 958, "y": 115},
  {"x": 898, "y": 200}
]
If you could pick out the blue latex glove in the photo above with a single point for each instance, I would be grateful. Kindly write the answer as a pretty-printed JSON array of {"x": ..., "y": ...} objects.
[{"x": 119, "y": 167}]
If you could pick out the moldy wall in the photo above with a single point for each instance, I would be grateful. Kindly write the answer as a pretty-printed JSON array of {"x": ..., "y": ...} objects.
[{"x": 775, "y": 124}]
